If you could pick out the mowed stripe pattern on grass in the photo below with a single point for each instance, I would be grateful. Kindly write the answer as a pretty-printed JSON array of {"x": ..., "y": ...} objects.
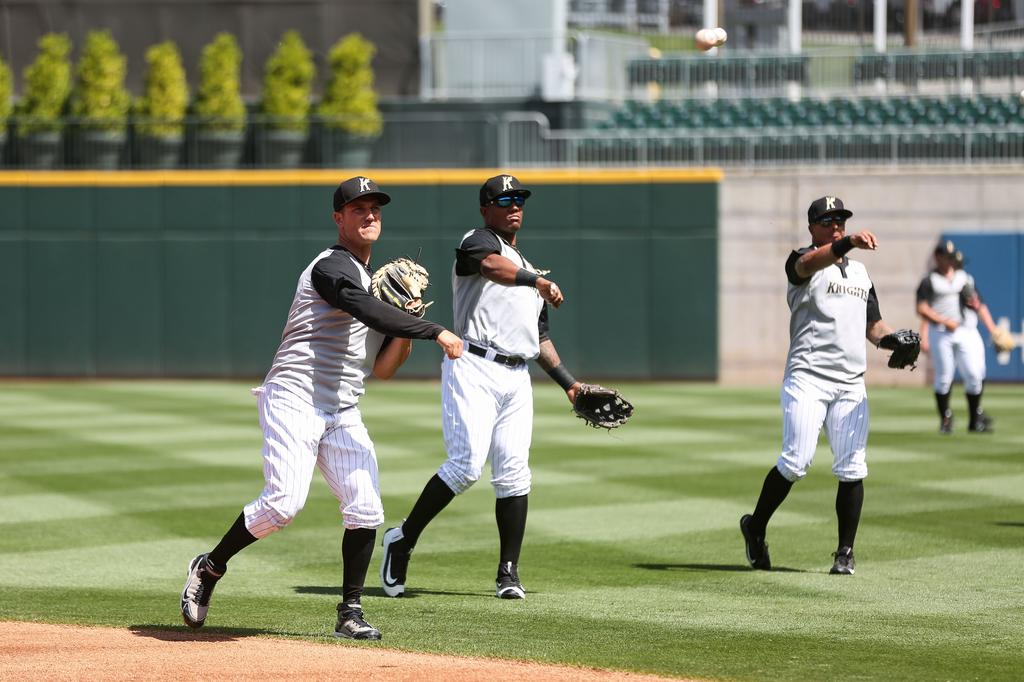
[{"x": 632, "y": 557}]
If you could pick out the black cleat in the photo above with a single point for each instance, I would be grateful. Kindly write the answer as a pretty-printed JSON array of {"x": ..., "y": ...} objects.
[
  {"x": 844, "y": 563},
  {"x": 982, "y": 423},
  {"x": 946, "y": 425},
  {"x": 195, "y": 597},
  {"x": 352, "y": 625},
  {"x": 757, "y": 548},
  {"x": 507, "y": 585}
]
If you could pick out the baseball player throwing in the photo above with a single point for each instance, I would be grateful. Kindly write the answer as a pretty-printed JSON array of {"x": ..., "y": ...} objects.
[
  {"x": 833, "y": 307},
  {"x": 487, "y": 399},
  {"x": 335, "y": 335},
  {"x": 950, "y": 305}
]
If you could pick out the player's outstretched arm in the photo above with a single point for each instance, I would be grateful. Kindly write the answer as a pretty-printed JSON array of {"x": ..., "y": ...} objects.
[
  {"x": 985, "y": 315},
  {"x": 338, "y": 283},
  {"x": 827, "y": 254},
  {"x": 502, "y": 270},
  {"x": 552, "y": 364},
  {"x": 450, "y": 344},
  {"x": 598, "y": 406}
]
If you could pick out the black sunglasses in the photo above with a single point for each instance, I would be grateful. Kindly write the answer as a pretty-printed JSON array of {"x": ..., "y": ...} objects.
[
  {"x": 505, "y": 202},
  {"x": 833, "y": 220}
]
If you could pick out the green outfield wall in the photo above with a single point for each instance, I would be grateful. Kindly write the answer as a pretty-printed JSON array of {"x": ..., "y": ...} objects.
[{"x": 190, "y": 273}]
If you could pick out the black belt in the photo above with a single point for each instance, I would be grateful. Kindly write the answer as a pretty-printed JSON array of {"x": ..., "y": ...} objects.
[{"x": 507, "y": 360}]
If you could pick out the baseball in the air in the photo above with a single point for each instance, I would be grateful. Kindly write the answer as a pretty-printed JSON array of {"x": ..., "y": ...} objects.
[{"x": 708, "y": 38}]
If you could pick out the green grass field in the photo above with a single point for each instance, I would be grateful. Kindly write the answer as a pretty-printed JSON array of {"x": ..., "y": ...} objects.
[{"x": 633, "y": 559}]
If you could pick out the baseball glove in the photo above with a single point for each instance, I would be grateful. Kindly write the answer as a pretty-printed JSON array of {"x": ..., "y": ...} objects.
[
  {"x": 601, "y": 407},
  {"x": 905, "y": 346},
  {"x": 401, "y": 282},
  {"x": 1003, "y": 340}
]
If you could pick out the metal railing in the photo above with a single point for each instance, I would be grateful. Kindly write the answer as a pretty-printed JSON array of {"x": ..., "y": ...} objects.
[
  {"x": 454, "y": 139},
  {"x": 1000, "y": 36},
  {"x": 635, "y": 15},
  {"x": 529, "y": 141},
  {"x": 827, "y": 71}
]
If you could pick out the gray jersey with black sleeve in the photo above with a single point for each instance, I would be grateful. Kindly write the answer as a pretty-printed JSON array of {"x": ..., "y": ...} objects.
[
  {"x": 509, "y": 319},
  {"x": 829, "y": 314},
  {"x": 948, "y": 296},
  {"x": 334, "y": 330}
]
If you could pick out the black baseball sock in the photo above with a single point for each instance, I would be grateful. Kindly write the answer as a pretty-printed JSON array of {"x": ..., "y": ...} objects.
[
  {"x": 234, "y": 541},
  {"x": 942, "y": 402},
  {"x": 849, "y": 500},
  {"x": 973, "y": 408},
  {"x": 435, "y": 496},
  {"x": 510, "y": 513},
  {"x": 773, "y": 492},
  {"x": 356, "y": 550}
]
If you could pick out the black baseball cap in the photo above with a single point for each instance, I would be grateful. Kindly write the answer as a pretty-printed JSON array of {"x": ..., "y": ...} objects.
[
  {"x": 946, "y": 247},
  {"x": 355, "y": 188},
  {"x": 826, "y": 206},
  {"x": 502, "y": 186}
]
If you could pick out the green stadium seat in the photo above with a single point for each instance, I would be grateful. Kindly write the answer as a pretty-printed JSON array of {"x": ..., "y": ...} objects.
[{"x": 853, "y": 124}]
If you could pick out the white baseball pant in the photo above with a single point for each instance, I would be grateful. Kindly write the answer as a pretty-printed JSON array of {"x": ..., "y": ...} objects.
[
  {"x": 486, "y": 411},
  {"x": 298, "y": 437},
  {"x": 807, "y": 403},
  {"x": 960, "y": 349}
]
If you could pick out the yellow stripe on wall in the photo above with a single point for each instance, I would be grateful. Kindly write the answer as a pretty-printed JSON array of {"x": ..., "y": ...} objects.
[{"x": 425, "y": 176}]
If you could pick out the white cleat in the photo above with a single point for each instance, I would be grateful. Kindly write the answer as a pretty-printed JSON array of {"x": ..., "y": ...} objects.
[{"x": 394, "y": 565}]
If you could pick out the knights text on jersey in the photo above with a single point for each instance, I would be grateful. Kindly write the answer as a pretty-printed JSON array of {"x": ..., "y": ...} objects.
[
  {"x": 947, "y": 296},
  {"x": 497, "y": 316},
  {"x": 830, "y": 312}
]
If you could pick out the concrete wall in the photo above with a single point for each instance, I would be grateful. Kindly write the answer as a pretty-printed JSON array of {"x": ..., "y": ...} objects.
[{"x": 763, "y": 216}]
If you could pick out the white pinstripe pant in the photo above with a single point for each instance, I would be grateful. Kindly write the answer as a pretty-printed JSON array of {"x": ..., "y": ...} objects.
[
  {"x": 807, "y": 403},
  {"x": 298, "y": 437},
  {"x": 486, "y": 411},
  {"x": 961, "y": 349}
]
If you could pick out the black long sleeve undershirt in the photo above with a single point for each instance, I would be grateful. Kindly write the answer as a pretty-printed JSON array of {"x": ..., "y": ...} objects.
[{"x": 338, "y": 282}]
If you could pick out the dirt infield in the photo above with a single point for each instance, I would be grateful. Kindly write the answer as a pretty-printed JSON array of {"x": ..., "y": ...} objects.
[{"x": 35, "y": 651}]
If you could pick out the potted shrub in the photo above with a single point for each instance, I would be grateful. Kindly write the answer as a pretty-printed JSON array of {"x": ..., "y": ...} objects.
[
  {"x": 348, "y": 111},
  {"x": 287, "y": 84},
  {"x": 5, "y": 104},
  {"x": 47, "y": 83},
  {"x": 160, "y": 111},
  {"x": 100, "y": 102},
  {"x": 218, "y": 105}
]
